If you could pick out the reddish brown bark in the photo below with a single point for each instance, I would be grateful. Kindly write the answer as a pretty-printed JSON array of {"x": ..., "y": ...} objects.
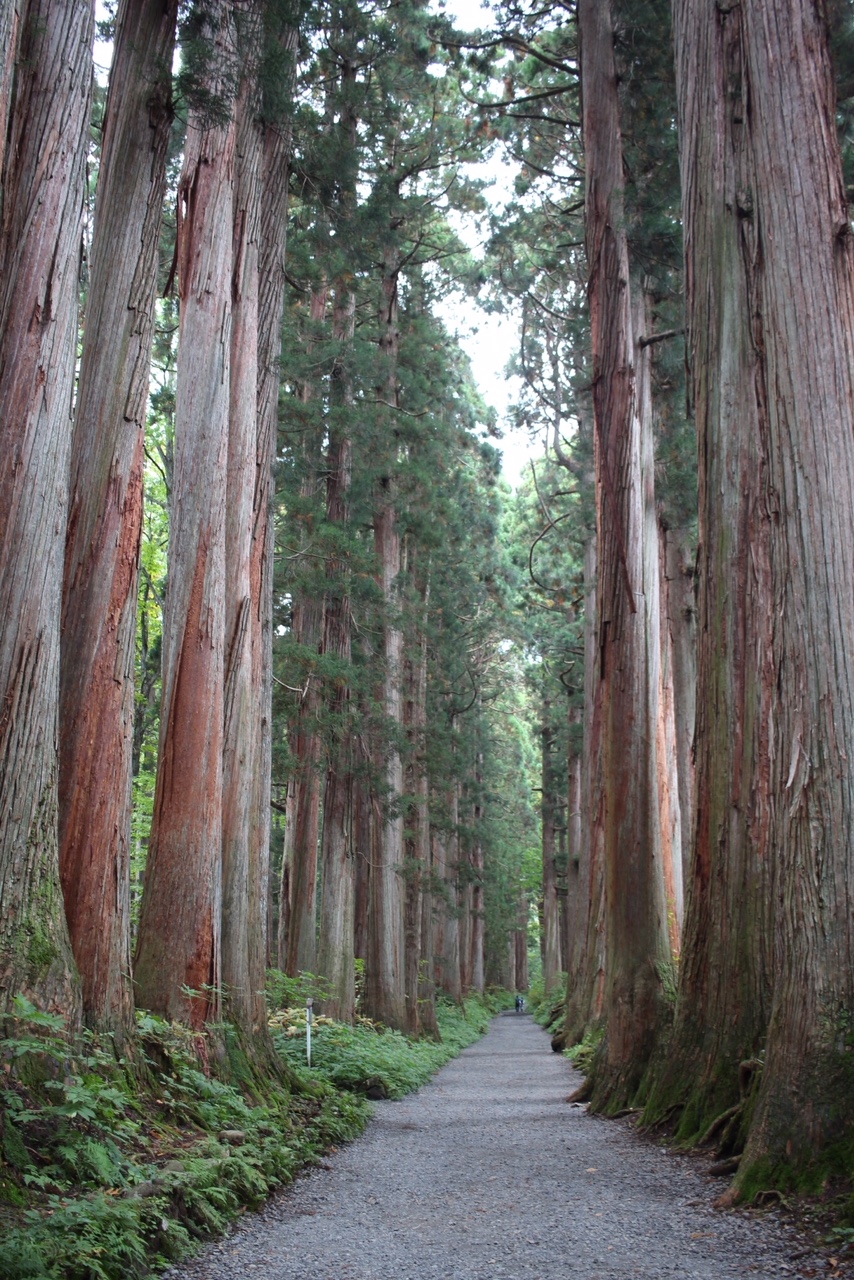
[
  {"x": 362, "y": 854},
  {"x": 421, "y": 1016},
  {"x": 178, "y": 961},
  {"x": 520, "y": 949},
  {"x": 10, "y": 18},
  {"x": 384, "y": 972},
  {"x": 299, "y": 864},
  {"x": 105, "y": 512},
  {"x": 42, "y": 191},
  {"x": 478, "y": 936},
  {"x": 635, "y": 911},
  {"x": 446, "y": 945},
  {"x": 722, "y": 1010},
  {"x": 804, "y": 401},
  {"x": 681, "y": 625}
]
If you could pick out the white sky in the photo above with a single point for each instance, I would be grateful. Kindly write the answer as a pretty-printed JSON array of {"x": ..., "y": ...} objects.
[{"x": 488, "y": 339}]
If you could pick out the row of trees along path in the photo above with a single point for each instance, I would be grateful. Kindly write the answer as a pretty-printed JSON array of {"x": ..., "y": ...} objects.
[
  {"x": 616, "y": 710},
  {"x": 487, "y": 1173}
]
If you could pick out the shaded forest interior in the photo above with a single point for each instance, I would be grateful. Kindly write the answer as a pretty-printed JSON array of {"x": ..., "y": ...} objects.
[{"x": 296, "y": 693}]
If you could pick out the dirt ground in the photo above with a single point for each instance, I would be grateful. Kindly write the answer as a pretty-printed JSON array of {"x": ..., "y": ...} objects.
[{"x": 488, "y": 1172}]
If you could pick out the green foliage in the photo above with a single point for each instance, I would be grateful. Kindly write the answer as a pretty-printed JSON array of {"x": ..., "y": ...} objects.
[
  {"x": 89, "y": 1179},
  {"x": 548, "y": 1010},
  {"x": 90, "y": 1187},
  {"x": 581, "y": 1055},
  {"x": 284, "y": 992},
  {"x": 369, "y": 1058}
]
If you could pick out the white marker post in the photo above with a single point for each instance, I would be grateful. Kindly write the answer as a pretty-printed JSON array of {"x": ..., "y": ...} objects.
[{"x": 309, "y": 1002}]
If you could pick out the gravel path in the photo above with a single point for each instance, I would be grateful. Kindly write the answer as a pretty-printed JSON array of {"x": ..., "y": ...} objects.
[{"x": 486, "y": 1173}]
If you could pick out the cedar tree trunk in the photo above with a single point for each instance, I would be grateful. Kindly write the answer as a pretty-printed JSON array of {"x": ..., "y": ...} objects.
[
  {"x": 635, "y": 912},
  {"x": 46, "y": 134},
  {"x": 105, "y": 512},
  {"x": 178, "y": 962},
  {"x": 723, "y": 1002}
]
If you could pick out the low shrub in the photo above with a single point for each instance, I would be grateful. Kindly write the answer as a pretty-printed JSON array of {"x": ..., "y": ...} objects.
[{"x": 371, "y": 1059}]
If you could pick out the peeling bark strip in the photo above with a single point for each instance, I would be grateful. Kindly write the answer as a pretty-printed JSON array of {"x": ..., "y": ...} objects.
[
  {"x": 46, "y": 125},
  {"x": 627, "y": 595},
  {"x": 178, "y": 959},
  {"x": 105, "y": 512}
]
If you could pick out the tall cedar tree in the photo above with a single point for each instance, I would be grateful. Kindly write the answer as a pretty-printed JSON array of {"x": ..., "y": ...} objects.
[
  {"x": 768, "y": 182},
  {"x": 178, "y": 961},
  {"x": 105, "y": 512},
  {"x": 45, "y": 100},
  {"x": 637, "y": 949}
]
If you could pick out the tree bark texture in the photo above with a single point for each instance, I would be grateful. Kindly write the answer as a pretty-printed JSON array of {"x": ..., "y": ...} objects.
[
  {"x": 277, "y": 137},
  {"x": 726, "y": 969},
  {"x": 178, "y": 962},
  {"x": 478, "y": 921},
  {"x": 384, "y": 975},
  {"x": 670, "y": 813},
  {"x": 635, "y": 910},
  {"x": 105, "y": 512},
  {"x": 242, "y": 701},
  {"x": 335, "y": 950},
  {"x": 804, "y": 399},
  {"x": 421, "y": 1015},
  {"x": 302, "y": 829},
  {"x": 551, "y": 786},
  {"x": 10, "y": 17},
  {"x": 679, "y": 564},
  {"x": 42, "y": 183},
  {"x": 586, "y": 968},
  {"x": 446, "y": 866}
]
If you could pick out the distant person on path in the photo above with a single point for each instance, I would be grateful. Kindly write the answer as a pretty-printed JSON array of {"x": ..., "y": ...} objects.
[{"x": 520, "y": 1004}]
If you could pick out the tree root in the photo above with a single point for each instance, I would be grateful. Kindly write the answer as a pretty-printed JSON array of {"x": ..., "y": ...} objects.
[
  {"x": 662, "y": 1121},
  {"x": 723, "y": 1168},
  {"x": 719, "y": 1122},
  {"x": 583, "y": 1093}
]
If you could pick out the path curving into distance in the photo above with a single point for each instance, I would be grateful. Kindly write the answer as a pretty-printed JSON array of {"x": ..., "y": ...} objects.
[{"x": 487, "y": 1172}]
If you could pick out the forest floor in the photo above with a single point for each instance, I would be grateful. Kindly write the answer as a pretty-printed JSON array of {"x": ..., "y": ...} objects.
[{"x": 488, "y": 1172}]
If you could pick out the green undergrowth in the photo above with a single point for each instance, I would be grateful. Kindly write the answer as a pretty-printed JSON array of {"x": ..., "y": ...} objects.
[
  {"x": 549, "y": 1010},
  {"x": 370, "y": 1059},
  {"x": 111, "y": 1169},
  {"x": 581, "y": 1055}
]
